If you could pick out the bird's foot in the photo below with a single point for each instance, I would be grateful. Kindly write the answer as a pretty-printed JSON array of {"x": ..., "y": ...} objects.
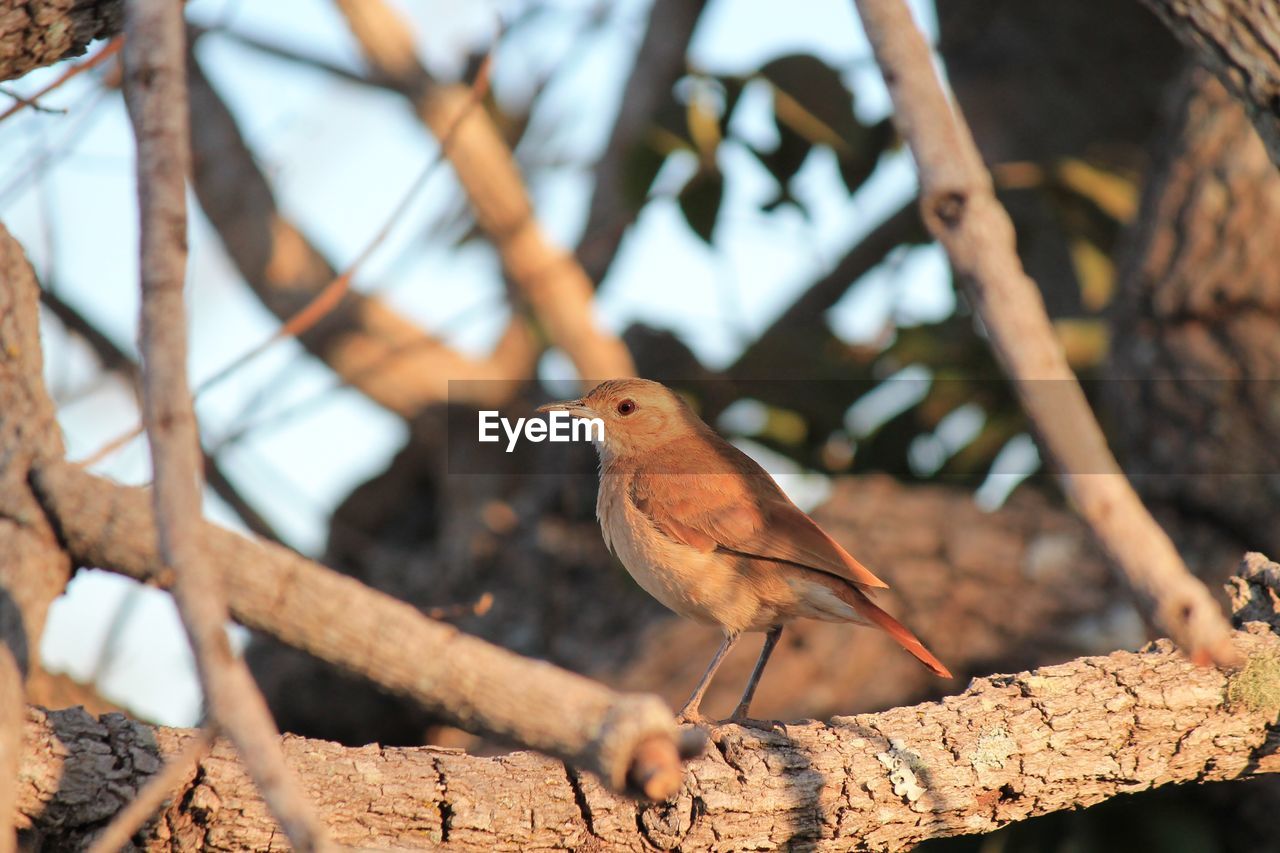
[
  {"x": 740, "y": 718},
  {"x": 692, "y": 717}
]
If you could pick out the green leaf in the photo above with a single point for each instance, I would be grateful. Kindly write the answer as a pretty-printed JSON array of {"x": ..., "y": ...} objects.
[
  {"x": 863, "y": 153},
  {"x": 811, "y": 99},
  {"x": 700, "y": 202}
]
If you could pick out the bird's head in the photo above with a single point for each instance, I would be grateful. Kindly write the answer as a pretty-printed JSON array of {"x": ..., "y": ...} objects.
[{"x": 639, "y": 415}]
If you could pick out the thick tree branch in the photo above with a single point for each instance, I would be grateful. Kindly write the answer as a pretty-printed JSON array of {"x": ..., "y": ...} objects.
[
  {"x": 1239, "y": 40},
  {"x": 366, "y": 342},
  {"x": 33, "y": 569},
  {"x": 155, "y": 93},
  {"x": 629, "y": 740},
  {"x": 41, "y": 32},
  {"x": 1009, "y": 748},
  {"x": 808, "y": 310},
  {"x": 548, "y": 278},
  {"x": 960, "y": 209},
  {"x": 659, "y": 62},
  {"x": 466, "y": 681}
]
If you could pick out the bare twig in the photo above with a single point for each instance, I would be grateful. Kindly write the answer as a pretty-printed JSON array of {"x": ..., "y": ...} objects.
[
  {"x": 35, "y": 105},
  {"x": 155, "y": 94},
  {"x": 364, "y": 341},
  {"x": 330, "y": 296},
  {"x": 468, "y": 682},
  {"x": 110, "y": 50},
  {"x": 806, "y": 311},
  {"x": 547, "y": 277},
  {"x": 960, "y": 209},
  {"x": 159, "y": 789},
  {"x": 113, "y": 358}
]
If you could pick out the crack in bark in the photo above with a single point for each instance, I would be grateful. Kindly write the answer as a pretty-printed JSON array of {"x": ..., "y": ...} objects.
[
  {"x": 580, "y": 797},
  {"x": 443, "y": 806}
]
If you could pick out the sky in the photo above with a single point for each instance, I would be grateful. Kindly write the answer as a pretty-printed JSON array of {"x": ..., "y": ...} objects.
[{"x": 341, "y": 157}]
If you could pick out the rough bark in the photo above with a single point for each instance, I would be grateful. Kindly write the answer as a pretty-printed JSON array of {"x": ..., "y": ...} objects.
[
  {"x": 366, "y": 342},
  {"x": 1010, "y": 747},
  {"x": 460, "y": 678},
  {"x": 1239, "y": 40},
  {"x": 33, "y": 569},
  {"x": 1196, "y": 342},
  {"x": 40, "y": 32},
  {"x": 960, "y": 209}
]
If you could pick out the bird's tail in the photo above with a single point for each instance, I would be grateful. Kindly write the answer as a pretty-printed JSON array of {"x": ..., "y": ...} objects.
[{"x": 900, "y": 633}]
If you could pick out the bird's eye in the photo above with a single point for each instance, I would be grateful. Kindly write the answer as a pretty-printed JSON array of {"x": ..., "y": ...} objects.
[{"x": 626, "y": 407}]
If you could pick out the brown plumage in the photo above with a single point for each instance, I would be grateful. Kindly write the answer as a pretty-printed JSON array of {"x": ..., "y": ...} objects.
[{"x": 705, "y": 530}]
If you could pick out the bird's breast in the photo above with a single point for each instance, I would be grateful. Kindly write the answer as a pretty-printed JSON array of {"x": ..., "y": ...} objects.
[{"x": 707, "y": 586}]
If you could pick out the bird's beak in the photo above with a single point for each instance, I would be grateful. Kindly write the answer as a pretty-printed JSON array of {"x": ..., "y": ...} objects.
[{"x": 575, "y": 408}]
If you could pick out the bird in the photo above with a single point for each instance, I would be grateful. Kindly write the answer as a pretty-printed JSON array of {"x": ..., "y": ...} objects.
[{"x": 703, "y": 528}]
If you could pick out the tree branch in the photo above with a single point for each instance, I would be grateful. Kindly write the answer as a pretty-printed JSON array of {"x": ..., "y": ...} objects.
[
  {"x": 42, "y": 32},
  {"x": 366, "y": 342},
  {"x": 111, "y": 357},
  {"x": 547, "y": 277},
  {"x": 465, "y": 680},
  {"x": 659, "y": 62},
  {"x": 33, "y": 569},
  {"x": 960, "y": 209},
  {"x": 156, "y": 96},
  {"x": 1239, "y": 40},
  {"x": 1011, "y": 747}
]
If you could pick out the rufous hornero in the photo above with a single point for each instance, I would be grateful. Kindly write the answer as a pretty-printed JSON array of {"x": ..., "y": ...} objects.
[{"x": 706, "y": 531}]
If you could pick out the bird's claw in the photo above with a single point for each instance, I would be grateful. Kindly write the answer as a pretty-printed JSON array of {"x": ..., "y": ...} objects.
[{"x": 765, "y": 725}]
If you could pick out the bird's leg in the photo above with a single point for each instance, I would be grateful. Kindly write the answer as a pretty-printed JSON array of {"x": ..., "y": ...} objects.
[
  {"x": 770, "y": 640},
  {"x": 689, "y": 713}
]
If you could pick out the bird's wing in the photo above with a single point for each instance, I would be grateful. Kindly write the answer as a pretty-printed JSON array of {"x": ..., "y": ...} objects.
[{"x": 732, "y": 504}]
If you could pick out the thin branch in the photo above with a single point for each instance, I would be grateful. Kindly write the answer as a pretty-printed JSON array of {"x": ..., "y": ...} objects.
[
  {"x": 806, "y": 311},
  {"x": 158, "y": 790},
  {"x": 156, "y": 97},
  {"x": 330, "y": 296},
  {"x": 659, "y": 62},
  {"x": 546, "y": 277},
  {"x": 960, "y": 209},
  {"x": 112, "y": 357},
  {"x": 110, "y": 50},
  {"x": 630, "y": 740},
  {"x": 363, "y": 340},
  {"x": 1238, "y": 40},
  {"x": 1011, "y": 747},
  {"x": 468, "y": 682}
]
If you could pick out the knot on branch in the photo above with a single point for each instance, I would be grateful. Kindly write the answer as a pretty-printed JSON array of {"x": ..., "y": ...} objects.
[
  {"x": 1255, "y": 591},
  {"x": 636, "y": 748},
  {"x": 945, "y": 209}
]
